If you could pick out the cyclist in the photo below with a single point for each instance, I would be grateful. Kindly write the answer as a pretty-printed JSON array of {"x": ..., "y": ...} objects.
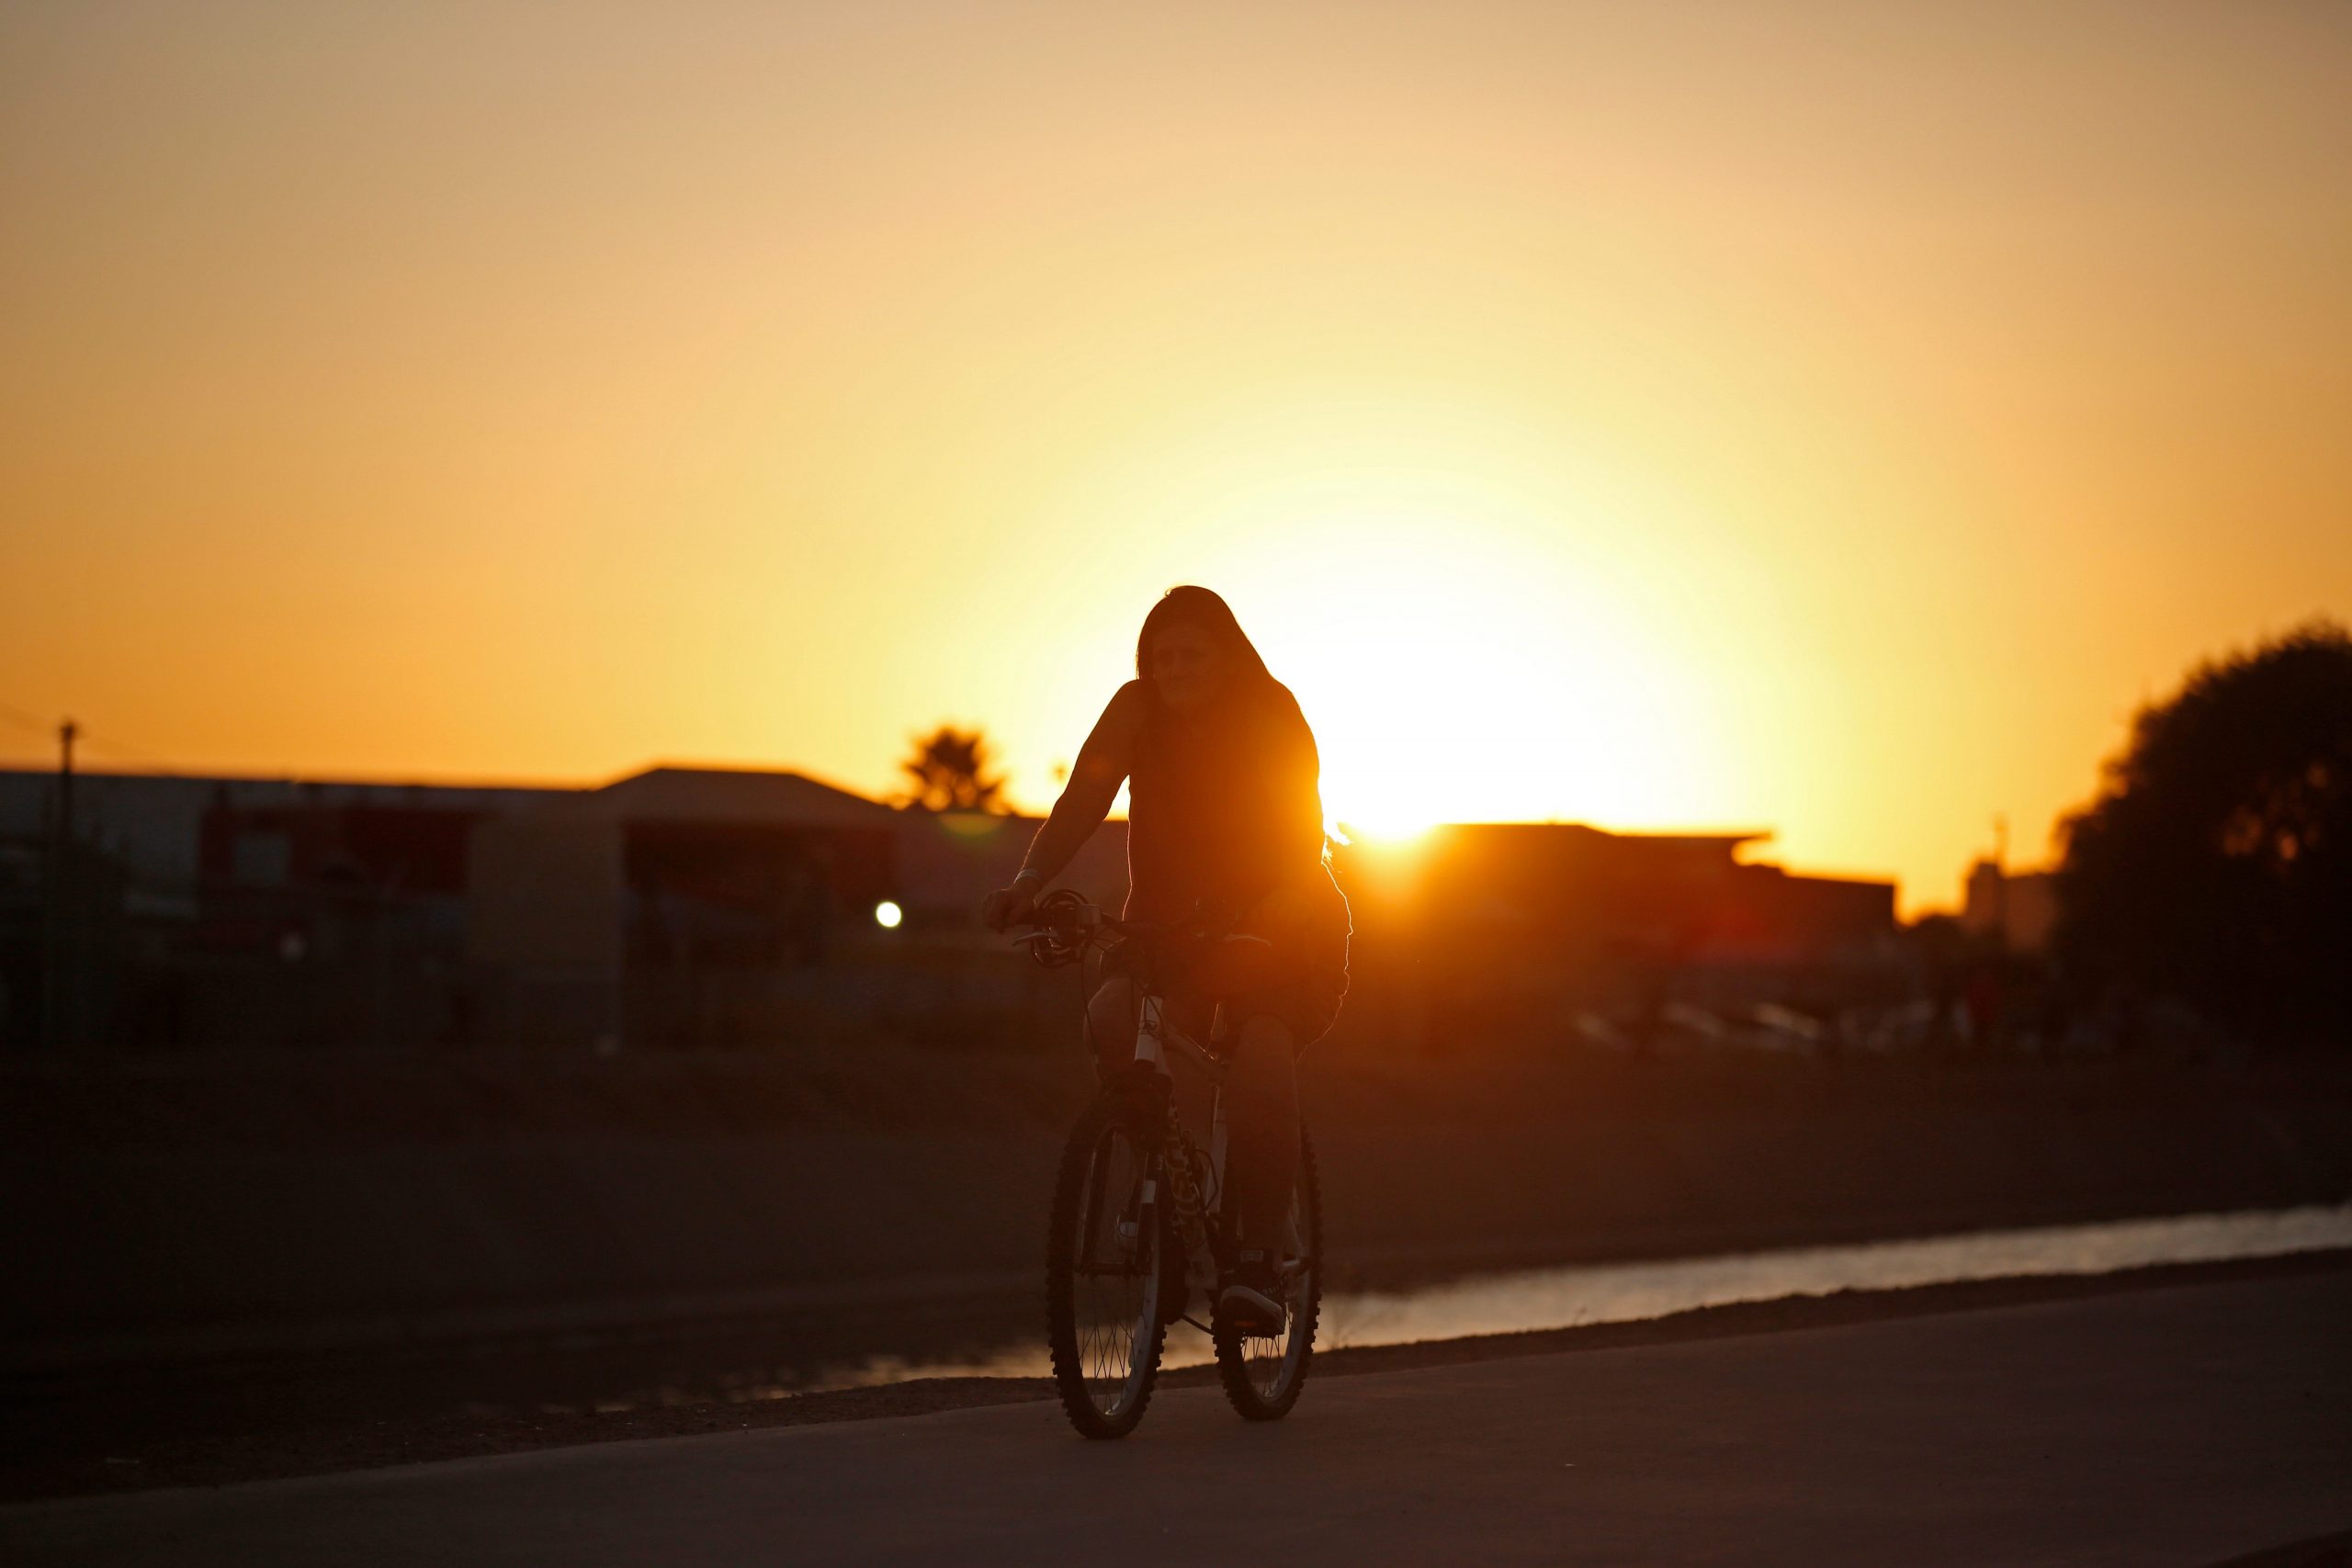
[{"x": 1225, "y": 812}]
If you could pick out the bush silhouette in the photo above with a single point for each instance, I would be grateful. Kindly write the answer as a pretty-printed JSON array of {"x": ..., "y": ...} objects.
[{"x": 2215, "y": 865}]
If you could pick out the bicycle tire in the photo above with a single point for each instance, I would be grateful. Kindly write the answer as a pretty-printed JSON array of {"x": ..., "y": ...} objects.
[
  {"x": 1270, "y": 1401},
  {"x": 1082, "y": 1350}
]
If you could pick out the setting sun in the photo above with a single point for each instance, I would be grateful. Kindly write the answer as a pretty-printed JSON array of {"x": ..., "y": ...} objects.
[{"x": 1452, "y": 675}]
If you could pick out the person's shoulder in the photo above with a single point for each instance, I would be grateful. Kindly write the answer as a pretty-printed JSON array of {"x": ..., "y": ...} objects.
[
  {"x": 1109, "y": 753},
  {"x": 1124, "y": 713}
]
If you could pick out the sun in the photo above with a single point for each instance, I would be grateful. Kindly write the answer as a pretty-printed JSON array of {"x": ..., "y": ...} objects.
[{"x": 1454, "y": 676}]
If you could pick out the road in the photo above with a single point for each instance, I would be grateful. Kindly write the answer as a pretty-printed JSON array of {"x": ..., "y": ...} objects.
[{"x": 2185, "y": 1425}]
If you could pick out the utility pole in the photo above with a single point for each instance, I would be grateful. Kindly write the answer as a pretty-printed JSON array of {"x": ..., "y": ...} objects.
[
  {"x": 2001, "y": 877},
  {"x": 59, "y": 977}
]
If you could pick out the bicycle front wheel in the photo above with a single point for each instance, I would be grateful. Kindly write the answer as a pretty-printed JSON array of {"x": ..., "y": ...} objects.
[{"x": 1108, "y": 1249}]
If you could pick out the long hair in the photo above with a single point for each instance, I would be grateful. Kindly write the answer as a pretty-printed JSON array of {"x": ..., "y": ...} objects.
[
  {"x": 1256, "y": 740},
  {"x": 1200, "y": 607}
]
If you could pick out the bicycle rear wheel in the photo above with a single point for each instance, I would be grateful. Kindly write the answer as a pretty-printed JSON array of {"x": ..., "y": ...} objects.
[
  {"x": 1107, "y": 1250},
  {"x": 1263, "y": 1374}
]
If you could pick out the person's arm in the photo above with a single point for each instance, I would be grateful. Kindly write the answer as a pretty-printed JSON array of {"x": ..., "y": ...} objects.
[{"x": 1095, "y": 779}]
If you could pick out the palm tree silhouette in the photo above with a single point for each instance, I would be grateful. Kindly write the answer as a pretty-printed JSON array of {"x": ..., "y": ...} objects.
[{"x": 950, "y": 768}]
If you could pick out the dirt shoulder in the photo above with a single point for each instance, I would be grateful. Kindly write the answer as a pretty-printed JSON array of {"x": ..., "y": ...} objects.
[{"x": 34, "y": 1469}]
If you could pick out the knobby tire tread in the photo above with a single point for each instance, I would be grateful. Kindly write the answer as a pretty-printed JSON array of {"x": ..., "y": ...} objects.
[
  {"x": 1111, "y": 1109},
  {"x": 1232, "y": 1362}
]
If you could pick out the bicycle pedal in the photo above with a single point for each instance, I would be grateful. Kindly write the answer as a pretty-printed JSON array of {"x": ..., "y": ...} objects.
[{"x": 1248, "y": 1310}]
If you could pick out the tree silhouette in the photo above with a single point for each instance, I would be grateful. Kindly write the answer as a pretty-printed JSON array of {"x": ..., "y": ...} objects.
[
  {"x": 2215, "y": 865},
  {"x": 951, "y": 773}
]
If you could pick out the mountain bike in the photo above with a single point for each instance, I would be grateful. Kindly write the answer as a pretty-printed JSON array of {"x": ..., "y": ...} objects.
[{"x": 1140, "y": 1232}]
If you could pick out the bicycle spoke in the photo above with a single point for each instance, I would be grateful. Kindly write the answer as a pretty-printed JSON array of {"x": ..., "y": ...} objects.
[
  {"x": 1263, "y": 1372},
  {"x": 1267, "y": 1355},
  {"x": 1112, "y": 1277}
]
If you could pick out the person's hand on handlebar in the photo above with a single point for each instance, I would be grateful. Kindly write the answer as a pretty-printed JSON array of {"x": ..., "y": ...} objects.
[{"x": 1011, "y": 905}]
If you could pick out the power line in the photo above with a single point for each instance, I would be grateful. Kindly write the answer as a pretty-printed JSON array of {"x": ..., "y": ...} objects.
[
  {"x": 18, "y": 716},
  {"x": 134, "y": 753},
  {"x": 47, "y": 730}
]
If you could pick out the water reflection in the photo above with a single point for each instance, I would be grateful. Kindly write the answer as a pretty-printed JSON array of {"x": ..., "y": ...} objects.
[{"x": 1564, "y": 1298}]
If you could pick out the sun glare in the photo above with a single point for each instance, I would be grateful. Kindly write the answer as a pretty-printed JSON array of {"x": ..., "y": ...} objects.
[
  {"x": 1454, "y": 674},
  {"x": 1394, "y": 828}
]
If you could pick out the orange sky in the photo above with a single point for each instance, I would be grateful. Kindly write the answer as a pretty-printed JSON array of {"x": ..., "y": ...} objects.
[{"x": 1831, "y": 418}]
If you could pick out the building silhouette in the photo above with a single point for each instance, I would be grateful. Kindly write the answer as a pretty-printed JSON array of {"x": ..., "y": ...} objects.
[{"x": 709, "y": 907}]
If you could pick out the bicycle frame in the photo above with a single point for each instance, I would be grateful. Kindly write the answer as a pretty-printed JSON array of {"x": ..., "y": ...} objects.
[
  {"x": 1155, "y": 1033},
  {"x": 1158, "y": 1040}
]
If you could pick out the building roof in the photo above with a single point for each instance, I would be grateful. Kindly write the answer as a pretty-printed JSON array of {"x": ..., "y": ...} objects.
[
  {"x": 1583, "y": 840},
  {"x": 1730, "y": 839},
  {"x": 735, "y": 794}
]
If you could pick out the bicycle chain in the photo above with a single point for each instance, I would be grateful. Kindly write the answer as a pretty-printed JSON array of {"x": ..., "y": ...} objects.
[{"x": 1184, "y": 1187}]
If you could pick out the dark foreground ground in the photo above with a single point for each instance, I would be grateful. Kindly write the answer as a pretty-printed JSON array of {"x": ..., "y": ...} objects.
[
  {"x": 243, "y": 1420},
  {"x": 2192, "y": 1419}
]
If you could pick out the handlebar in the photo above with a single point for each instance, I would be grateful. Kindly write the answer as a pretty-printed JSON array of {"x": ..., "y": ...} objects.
[{"x": 1064, "y": 925}]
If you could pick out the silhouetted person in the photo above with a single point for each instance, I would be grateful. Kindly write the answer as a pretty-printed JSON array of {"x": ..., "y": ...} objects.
[{"x": 1225, "y": 811}]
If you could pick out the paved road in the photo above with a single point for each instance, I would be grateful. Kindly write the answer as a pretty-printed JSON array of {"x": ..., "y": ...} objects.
[{"x": 2181, "y": 1426}]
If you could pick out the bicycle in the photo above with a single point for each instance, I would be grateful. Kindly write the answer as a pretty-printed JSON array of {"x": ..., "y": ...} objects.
[{"x": 1139, "y": 1231}]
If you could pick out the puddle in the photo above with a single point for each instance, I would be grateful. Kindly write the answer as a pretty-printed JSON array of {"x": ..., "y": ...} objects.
[{"x": 1620, "y": 1293}]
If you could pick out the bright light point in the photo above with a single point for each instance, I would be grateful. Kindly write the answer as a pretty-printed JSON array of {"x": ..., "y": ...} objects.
[{"x": 887, "y": 915}]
